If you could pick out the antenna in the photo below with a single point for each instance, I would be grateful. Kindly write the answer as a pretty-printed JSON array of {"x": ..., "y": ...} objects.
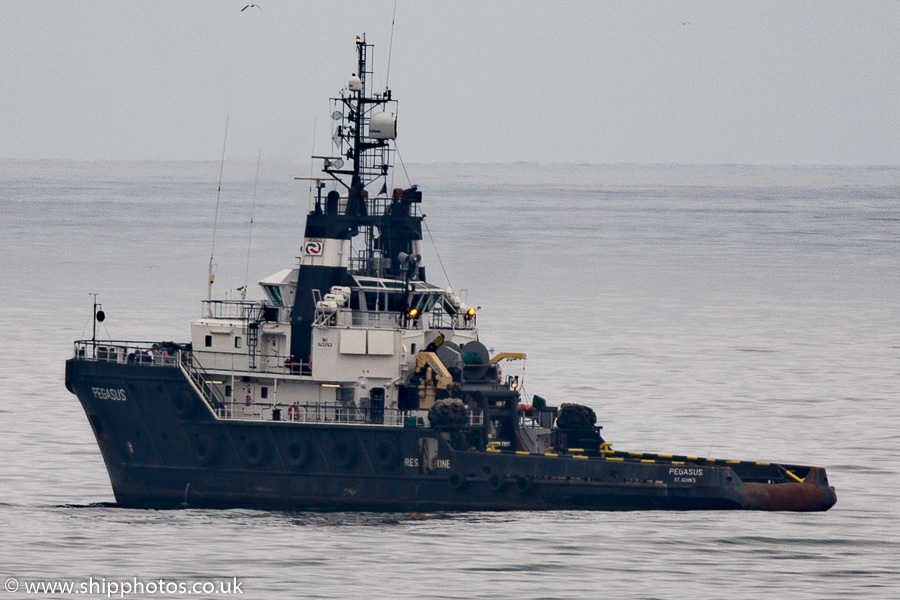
[
  {"x": 312, "y": 163},
  {"x": 387, "y": 73},
  {"x": 250, "y": 240},
  {"x": 212, "y": 275}
]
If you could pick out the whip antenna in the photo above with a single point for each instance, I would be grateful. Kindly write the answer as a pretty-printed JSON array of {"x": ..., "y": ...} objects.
[
  {"x": 250, "y": 240},
  {"x": 387, "y": 73},
  {"x": 312, "y": 164},
  {"x": 212, "y": 274}
]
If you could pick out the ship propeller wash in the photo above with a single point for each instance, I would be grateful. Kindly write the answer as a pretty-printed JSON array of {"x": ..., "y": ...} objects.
[{"x": 355, "y": 384}]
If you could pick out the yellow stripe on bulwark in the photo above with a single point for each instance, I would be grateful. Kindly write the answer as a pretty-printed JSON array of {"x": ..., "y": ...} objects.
[
  {"x": 579, "y": 456},
  {"x": 522, "y": 452},
  {"x": 677, "y": 462},
  {"x": 763, "y": 464},
  {"x": 550, "y": 454},
  {"x": 617, "y": 459},
  {"x": 691, "y": 457},
  {"x": 635, "y": 454},
  {"x": 646, "y": 460},
  {"x": 576, "y": 450},
  {"x": 664, "y": 455},
  {"x": 732, "y": 462}
]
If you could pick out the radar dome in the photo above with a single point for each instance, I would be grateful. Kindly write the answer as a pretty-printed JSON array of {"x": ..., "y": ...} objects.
[
  {"x": 355, "y": 84},
  {"x": 383, "y": 126}
]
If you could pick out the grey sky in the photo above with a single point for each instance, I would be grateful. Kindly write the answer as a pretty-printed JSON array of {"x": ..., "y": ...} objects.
[{"x": 564, "y": 81}]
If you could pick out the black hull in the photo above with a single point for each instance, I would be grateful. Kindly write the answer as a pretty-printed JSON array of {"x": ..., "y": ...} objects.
[{"x": 164, "y": 448}]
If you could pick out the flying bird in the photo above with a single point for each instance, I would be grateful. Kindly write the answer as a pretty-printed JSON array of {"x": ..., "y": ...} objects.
[{"x": 253, "y": 5}]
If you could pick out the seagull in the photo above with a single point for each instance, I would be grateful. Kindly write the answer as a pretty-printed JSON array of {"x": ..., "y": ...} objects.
[
  {"x": 683, "y": 22},
  {"x": 253, "y": 5}
]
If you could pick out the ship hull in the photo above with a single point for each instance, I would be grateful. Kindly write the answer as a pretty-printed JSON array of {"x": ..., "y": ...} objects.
[{"x": 164, "y": 448}]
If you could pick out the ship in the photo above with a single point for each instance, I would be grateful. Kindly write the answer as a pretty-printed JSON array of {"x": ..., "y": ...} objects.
[{"x": 355, "y": 384}]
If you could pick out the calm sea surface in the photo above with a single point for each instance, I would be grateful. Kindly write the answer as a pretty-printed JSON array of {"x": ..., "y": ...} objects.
[{"x": 732, "y": 312}]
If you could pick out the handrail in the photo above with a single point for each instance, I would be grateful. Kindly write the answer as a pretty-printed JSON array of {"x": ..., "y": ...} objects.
[
  {"x": 157, "y": 354},
  {"x": 326, "y": 412},
  {"x": 164, "y": 354},
  {"x": 230, "y": 309},
  {"x": 195, "y": 372},
  {"x": 270, "y": 364}
]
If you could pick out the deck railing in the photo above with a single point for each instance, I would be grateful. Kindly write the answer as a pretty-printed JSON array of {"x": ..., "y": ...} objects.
[
  {"x": 154, "y": 354},
  {"x": 269, "y": 364},
  {"x": 322, "y": 412},
  {"x": 229, "y": 309},
  {"x": 161, "y": 354},
  {"x": 241, "y": 310}
]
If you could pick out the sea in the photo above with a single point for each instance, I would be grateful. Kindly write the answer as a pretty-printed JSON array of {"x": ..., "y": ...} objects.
[{"x": 737, "y": 312}]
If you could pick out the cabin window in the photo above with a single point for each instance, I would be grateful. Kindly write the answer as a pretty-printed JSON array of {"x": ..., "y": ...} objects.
[
  {"x": 228, "y": 391},
  {"x": 208, "y": 341},
  {"x": 237, "y": 341},
  {"x": 412, "y": 348},
  {"x": 263, "y": 392}
]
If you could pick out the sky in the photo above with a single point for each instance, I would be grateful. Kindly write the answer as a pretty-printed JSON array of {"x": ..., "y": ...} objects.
[{"x": 567, "y": 81}]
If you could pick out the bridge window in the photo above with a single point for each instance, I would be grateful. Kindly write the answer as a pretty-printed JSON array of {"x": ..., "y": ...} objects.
[
  {"x": 397, "y": 303},
  {"x": 274, "y": 294}
]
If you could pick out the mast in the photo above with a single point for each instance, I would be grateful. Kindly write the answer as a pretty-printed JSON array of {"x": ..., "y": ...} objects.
[
  {"x": 97, "y": 316},
  {"x": 364, "y": 126},
  {"x": 358, "y": 231},
  {"x": 357, "y": 113}
]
